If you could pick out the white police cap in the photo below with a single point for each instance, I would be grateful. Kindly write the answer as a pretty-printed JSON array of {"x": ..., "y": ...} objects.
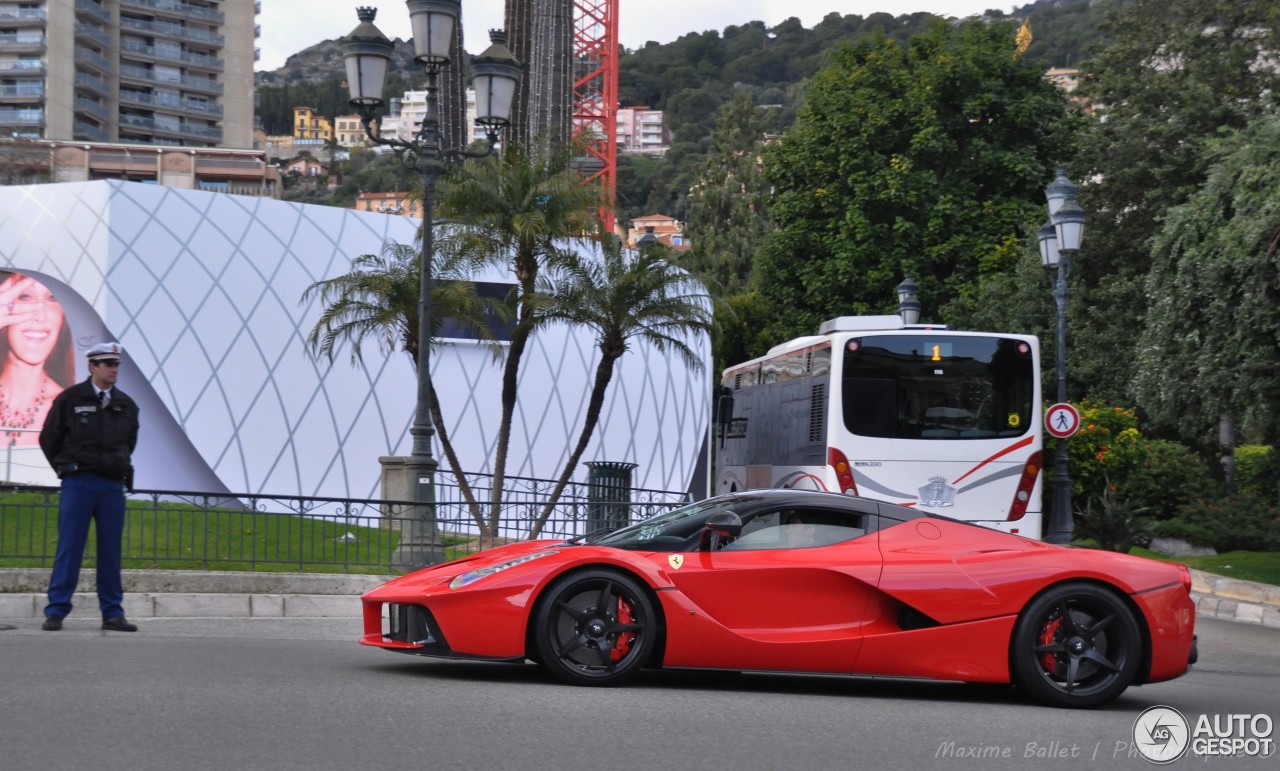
[{"x": 105, "y": 351}]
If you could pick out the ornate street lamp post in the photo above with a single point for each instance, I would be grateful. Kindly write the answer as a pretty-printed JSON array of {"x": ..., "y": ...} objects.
[
  {"x": 909, "y": 300},
  {"x": 367, "y": 54},
  {"x": 1059, "y": 240}
]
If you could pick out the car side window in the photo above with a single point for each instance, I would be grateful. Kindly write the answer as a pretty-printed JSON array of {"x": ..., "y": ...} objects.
[{"x": 799, "y": 528}]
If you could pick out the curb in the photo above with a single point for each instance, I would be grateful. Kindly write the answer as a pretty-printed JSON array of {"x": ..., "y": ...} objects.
[
  {"x": 1231, "y": 599},
  {"x": 199, "y": 594}
]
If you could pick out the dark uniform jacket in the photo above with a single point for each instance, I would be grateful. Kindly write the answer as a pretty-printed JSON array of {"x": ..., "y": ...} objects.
[{"x": 81, "y": 435}]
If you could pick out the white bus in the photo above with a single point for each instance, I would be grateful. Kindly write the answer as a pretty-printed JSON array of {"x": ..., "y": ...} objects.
[{"x": 917, "y": 415}]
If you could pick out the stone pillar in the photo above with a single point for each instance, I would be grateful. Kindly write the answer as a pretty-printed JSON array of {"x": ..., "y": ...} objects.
[{"x": 408, "y": 492}]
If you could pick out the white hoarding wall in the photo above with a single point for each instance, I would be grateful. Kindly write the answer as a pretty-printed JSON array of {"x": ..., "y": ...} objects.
[{"x": 203, "y": 291}]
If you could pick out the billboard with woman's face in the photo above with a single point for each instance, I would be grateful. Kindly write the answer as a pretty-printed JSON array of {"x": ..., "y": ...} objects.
[{"x": 37, "y": 360}]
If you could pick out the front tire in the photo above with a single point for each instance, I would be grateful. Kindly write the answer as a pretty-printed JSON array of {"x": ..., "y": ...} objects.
[
  {"x": 1077, "y": 645},
  {"x": 595, "y": 628}
]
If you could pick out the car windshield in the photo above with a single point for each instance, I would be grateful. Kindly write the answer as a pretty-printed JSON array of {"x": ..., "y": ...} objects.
[{"x": 665, "y": 531}]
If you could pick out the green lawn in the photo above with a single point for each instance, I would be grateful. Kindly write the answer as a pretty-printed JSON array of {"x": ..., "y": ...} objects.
[
  {"x": 178, "y": 536},
  {"x": 1261, "y": 566}
]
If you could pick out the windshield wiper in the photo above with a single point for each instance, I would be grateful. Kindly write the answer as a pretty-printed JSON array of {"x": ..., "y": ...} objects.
[{"x": 585, "y": 536}]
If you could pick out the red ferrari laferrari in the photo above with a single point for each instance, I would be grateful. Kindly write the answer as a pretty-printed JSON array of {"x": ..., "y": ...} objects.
[{"x": 786, "y": 580}]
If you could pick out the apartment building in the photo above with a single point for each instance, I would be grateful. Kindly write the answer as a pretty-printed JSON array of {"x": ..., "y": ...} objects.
[
  {"x": 642, "y": 131},
  {"x": 349, "y": 131},
  {"x": 405, "y": 116},
  {"x": 389, "y": 203},
  {"x": 156, "y": 72},
  {"x": 309, "y": 124},
  {"x": 657, "y": 227}
]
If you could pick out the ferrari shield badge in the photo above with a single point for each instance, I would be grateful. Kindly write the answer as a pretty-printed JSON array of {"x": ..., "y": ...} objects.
[
  {"x": 675, "y": 561},
  {"x": 937, "y": 493}
]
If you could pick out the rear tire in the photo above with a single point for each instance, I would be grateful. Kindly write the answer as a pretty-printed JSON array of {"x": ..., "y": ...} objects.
[
  {"x": 595, "y": 628},
  {"x": 1077, "y": 645}
]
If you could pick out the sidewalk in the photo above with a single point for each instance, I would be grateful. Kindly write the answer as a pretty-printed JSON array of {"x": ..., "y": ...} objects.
[
  {"x": 198, "y": 594},
  {"x": 206, "y": 594}
]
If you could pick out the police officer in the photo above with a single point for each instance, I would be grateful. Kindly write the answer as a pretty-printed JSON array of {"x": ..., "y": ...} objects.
[{"x": 88, "y": 439}]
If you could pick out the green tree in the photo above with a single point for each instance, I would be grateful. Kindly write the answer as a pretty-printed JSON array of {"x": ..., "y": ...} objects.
[
  {"x": 378, "y": 300},
  {"x": 728, "y": 207},
  {"x": 928, "y": 158},
  {"x": 1176, "y": 76},
  {"x": 521, "y": 207},
  {"x": 624, "y": 300},
  {"x": 1211, "y": 345}
]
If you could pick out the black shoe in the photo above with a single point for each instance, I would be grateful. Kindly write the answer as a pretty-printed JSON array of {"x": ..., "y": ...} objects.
[
  {"x": 117, "y": 624},
  {"x": 52, "y": 624}
]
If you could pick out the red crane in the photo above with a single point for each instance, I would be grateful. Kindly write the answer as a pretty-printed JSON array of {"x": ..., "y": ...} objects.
[{"x": 595, "y": 94}]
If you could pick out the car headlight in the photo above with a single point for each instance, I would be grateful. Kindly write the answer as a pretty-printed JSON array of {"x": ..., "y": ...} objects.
[{"x": 471, "y": 576}]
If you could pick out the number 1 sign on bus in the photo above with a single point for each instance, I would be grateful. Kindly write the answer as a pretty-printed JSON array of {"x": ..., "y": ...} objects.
[{"x": 918, "y": 415}]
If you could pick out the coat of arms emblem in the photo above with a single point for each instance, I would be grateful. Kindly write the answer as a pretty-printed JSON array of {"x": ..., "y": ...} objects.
[{"x": 937, "y": 493}]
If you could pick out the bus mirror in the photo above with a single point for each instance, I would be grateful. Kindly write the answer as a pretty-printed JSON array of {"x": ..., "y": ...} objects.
[{"x": 724, "y": 404}]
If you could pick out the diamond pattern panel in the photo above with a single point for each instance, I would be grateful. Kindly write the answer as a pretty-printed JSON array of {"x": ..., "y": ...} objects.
[{"x": 203, "y": 290}]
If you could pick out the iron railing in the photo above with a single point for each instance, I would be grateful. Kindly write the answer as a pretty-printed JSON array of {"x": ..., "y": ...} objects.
[{"x": 189, "y": 530}]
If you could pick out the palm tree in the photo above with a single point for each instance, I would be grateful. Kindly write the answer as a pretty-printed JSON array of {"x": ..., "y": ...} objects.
[
  {"x": 379, "y": 299},
  {"x": 521, "y": 207},
  {"x": 621, "y": 298}
]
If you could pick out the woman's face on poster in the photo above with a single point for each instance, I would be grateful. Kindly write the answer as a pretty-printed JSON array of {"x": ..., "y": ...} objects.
[{"x": 36, "y": 320}]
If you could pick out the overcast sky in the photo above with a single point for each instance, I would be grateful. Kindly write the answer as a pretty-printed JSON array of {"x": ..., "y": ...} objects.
[{"x": 288, "y": 26}]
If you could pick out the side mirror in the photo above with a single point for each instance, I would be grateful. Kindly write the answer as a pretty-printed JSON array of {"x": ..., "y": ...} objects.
[
  {"x": 723, "y": 397},
  {"x": 721, "y": 525}
]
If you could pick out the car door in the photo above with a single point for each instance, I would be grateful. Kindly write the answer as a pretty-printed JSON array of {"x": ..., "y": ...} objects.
[{"x": 778, "y": 597}]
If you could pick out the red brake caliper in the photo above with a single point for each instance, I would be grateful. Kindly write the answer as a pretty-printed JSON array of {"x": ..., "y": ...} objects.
[
  {"x": 623, "y": 645},
  {"x": 1049, "y": 661}
]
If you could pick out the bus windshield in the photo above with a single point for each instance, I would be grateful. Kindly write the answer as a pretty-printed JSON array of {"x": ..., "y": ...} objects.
[{"x": 938, "y": 387}]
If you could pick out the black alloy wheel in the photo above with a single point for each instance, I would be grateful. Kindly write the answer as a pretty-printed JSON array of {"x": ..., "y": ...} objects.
[
  {"x": 1076, "y": 645},
  {"x": 595, "y": 628}
]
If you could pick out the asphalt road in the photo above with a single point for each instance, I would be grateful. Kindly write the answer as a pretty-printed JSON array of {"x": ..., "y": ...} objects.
[{"x": 300, "y": 693}]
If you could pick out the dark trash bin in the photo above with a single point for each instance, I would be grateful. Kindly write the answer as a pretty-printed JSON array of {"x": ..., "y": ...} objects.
[{"x": 609, "y": 494}]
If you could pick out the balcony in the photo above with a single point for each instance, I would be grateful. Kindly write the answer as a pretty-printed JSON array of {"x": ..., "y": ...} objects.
[
  {"x": 144, "y": 75},
  {"x": 90, "y": 107},
  {"x": 11, "y": 17},
  {"x": 228, "y": 167},
  {"x": 97, "y": 61},
  {"x": 93, "y": 10},
  {"x": 94, "y": 33},
  {"x": 22, "y": 68},
  {"x": 123, "y": 164},
  {"x": 92, "y": 84},
  {"x": 171, "y": 103},
  {"x": 142, "y": 122},
  {"x": 21, "y": 116},
  {"x": 171, "y": 30},
  {"x": 22, "y": 43},
  {"x": 30, "y": 91},
  {"x": 88, "y": 131},
  {"x": 203, "y": 61},
  {"x": 175, "y": 8}
]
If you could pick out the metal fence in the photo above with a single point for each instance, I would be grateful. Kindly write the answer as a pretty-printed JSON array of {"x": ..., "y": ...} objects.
[{"x": 189, "y": 530}]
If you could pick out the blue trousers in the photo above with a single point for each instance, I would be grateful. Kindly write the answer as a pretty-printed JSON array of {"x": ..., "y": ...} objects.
[{"x": 88, "y": 497}]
